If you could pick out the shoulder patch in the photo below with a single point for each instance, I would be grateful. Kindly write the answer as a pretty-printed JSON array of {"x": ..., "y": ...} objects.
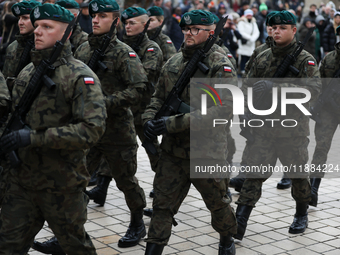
[
  {"x": 227, "y": 69},
  {"x": 168, "y": 41},
  {"x": 311, "y": 63},
  {"x": 229, "y": 55},
  {"x": 150, "y": 49},
  {"x": 88, "y": 80},
  {"x": 132, "y": 54}
]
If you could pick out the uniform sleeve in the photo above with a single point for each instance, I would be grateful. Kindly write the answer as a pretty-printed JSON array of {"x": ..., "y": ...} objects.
[
  {"x": 168, "y": 50},
  {"x": 88, "y": 125},
  {"x": 152, "y": 63},
  {"x": 8, "y": 67}
]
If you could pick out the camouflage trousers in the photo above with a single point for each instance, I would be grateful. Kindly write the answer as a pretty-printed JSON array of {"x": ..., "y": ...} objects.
[
  {"x": 171, "y": 185},
  {"x": 264, "y": 152},
  {"x": 152, "y": 158},
  {"x": 324, "y": 133},
  {"x": 231, "y": 146},
  {"x": 24, "y": 212},
  {"x": 119, "y": 162}
]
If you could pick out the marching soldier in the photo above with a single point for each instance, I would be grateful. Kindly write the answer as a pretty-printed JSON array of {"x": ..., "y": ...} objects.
[
  {"x": 279, "y": 142},
  {"x": 172, "y": 180},
  {"x": 63, "y": 122},
  {"x": 155, "y": 33}
]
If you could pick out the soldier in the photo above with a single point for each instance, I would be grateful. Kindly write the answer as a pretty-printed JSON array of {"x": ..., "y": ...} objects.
[
  {"x": 155, "y": 33},
  {"x": 64, "y": 122},
  {"x": 124, "y": 85},
  {"x": 287, "y": 144},
  {"x": 330, "y": 120},
  {"x": 172, "y": 180},
  {"x": 15, "y": 60},
  {"x": 78, "y": 35}
]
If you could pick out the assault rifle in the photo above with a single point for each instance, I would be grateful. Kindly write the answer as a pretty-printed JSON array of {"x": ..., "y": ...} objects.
[
  {"x": 136, "y": 45},
  {"x": 25, "y": 57},
  {"x": 173, "y": 104},
  {"x": 98, "y": 54},
  {"x": 331, "y": 92},
  {"x": 285, "y": 66},
  {"x": 37, "y": 81}
]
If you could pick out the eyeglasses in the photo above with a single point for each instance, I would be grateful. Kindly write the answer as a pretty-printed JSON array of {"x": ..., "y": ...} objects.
[
  {"x": 193, "y": 30},
  {"x": 131, "y": 23}
]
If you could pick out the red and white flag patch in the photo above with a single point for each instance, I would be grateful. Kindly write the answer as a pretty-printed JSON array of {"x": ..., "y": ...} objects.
[
  {"x": 311, "y": 63},
  {"x": 229, "y": 55},
  {"x": 132, "y": 54},
  {"x": 88, "y": 80},
  {"x": 151, "y": 49},
  {"x": 227, "y": 69},
  {"x": 168, "y": 41}
]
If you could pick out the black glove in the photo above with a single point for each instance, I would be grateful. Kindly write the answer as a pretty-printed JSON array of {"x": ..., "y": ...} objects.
[
  {"x": 15, "y": 140},
  {"x": 153, "y": 128},
  {"x": 262, "y": 86}
]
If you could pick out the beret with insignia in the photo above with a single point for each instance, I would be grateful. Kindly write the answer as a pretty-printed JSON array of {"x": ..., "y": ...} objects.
[
  {"x": 282, "y": 18},
  {"x": 68, "y": 4},
  {"x": 97, "y": 6},
  {"x": 132, "y": 12},
  {"x": 52, "y": 12},
  {"x": 24, "y": 7},
  {"x": 269, "y": 15},
  {"x": 155, "y": 11},
  {"x": 197, "y": 17},
  {"x": 216, "y": 19}
]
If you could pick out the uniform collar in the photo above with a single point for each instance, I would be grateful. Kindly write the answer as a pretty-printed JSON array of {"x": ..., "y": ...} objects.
[
  {"x": 189, "y": 51},
  {"x": 282, "y": 51},
  {"x": 130, "y": 40},
  {"x": 22, "y": 39},
  {"x": 96, "y": 41}
]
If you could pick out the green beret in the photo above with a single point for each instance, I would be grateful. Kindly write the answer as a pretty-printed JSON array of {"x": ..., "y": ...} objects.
[
  {"x": 338, "y": 30},
  {"x": 97, "y": 6},
  {"x": 24, "y": 7},
  {"x": 282, "y": 17},
  {"x": 52, "y": 12},
  {"x": 269, "y": 16},
  {"x": 197, "y": 17},
  {"x": 155, "y": 11},
  {"x": 68, "y": 4},
  {"x": 132, "y": 12},
  {"x": 216, "y": 19}
]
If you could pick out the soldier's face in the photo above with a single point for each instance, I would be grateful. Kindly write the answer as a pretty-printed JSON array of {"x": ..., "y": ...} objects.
[
  {"x": 283, "y": 34},
  {"x": 134, "y": 26},
  {"x": 202, "y": 36},
  {"x": 25, "y": 24},
  {"x": 101, "y": 22},
  {"x": 154, "y": 23},
  {"x": 47, "y": 32}
]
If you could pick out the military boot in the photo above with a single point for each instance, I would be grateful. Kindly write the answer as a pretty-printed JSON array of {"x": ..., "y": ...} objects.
[
  {"x": 148, "y": 212},
  {"x": 285, "y": 182},
  {"x": 135, "y": 232},
  {"x": 237, "y": 183},
  {"x": 98, "y": 193},
  {"x": 300, "y": 221},
  {"x": 226, "y": 246},
  {"x": 315, "y": 183},
  {"x": 242, "y": 215},
  {"x": 51, "y": 246},
  {"x": 152, "y": 193},
  {"x": 93, "y": 180},
  {"x": 153, "y": 249}
]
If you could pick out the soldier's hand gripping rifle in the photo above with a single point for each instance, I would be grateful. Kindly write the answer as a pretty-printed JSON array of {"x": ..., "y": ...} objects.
[
  {"x": 98, "y": 54},
  {"x": 136, "y": 45},
  {"x": 331, "y": 92},
  {"x": 37, "y": 81},
  {"x": 285, "y": 66},
  {"x": 173, "y": 104}
]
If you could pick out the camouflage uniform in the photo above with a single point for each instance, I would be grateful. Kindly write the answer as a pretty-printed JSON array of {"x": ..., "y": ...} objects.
[
  {"x": 48, "y": 185},
  {"x": 77, "y": 38},
  {"x": 287, "y": 144},
  {"x": 220, "y": 43},
  {"x": 164, "y": 42},
  {"x": 124, "y": 85},
  {"x": 330, "y": 119},
  {"x": 172, "y": 180},
  {"x": 151, "y": 56}
]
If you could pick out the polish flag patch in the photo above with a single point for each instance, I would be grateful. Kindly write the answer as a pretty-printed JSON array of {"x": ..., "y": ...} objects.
[
  {"x": 132, "y": 54},
  {"x": 151, "y": 49},
  {"x": 88, "y": 80},
  {"x": 311, "y": 63},
  {"x": 229, "y": 55},
  {"x": 227, "y": 69},
  {"x": 168, "y": 41}
]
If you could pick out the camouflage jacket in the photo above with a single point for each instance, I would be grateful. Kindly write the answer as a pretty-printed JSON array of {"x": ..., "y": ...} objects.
[
  {"x": 257, "y": 51},
  {"x": 151, "y": 56},
  {"x": 65, "y": 121},
  {"x": 177, "y": 140},
  {"x": 265, "y": 66},
  {"x": 4, "y": 97},
  {"x": 77, "y": 38},
  {"x": 328, "y": 68},
  {"x": 227, "y": 53},
  {"x": 13, "y": 54},
  {"x": 164, "y": 42},
  {"x": 123, "y": 83}
]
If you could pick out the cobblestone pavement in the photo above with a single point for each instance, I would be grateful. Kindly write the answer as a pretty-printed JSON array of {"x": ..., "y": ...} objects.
[{"x": 267, "y": 231}]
